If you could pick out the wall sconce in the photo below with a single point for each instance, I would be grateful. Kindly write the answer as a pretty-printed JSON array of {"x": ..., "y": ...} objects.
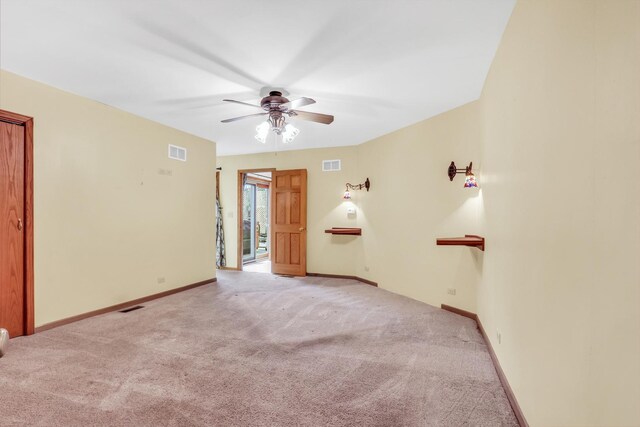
[
  {"x": 347, "y": 194},
  {"x": 470, "y": 178}
]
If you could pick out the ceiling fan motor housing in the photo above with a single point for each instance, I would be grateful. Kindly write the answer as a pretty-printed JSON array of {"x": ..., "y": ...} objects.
[{"x": 273, "y": 101}]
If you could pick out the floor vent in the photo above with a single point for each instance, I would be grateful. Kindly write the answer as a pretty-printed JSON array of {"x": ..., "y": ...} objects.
[{"x": 137, "y": 307}]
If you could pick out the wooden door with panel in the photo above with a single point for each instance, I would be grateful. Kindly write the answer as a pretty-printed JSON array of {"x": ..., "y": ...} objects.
[
  {"x": 289, "y": 222},
  {"x": 12, "y": 219}
]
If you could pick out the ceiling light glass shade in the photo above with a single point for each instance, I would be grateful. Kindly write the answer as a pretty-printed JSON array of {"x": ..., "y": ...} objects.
[
  {"x": 470, "y": 181},
  {"x": 347, "y": 195},
  {"x": 290, "y": 132},
  {"x": 262, "y": 130}
]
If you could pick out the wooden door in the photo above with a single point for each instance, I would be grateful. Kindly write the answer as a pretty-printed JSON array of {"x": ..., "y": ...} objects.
[
  {"x": 12, "y": 224},
  {"x": 289, "y": 222}
]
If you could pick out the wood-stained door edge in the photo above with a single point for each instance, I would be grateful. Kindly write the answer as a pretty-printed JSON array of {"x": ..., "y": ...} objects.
[{"x": 29, "y": 297}]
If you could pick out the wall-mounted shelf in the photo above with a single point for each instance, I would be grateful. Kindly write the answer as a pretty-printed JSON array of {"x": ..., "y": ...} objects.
[
  {"x": 468, "y": 240},
  {"x": 346, "y": 231}
]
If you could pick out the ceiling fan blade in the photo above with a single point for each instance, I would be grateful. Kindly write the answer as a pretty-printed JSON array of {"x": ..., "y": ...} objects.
[
  {"x": 243, "y": 117},
  {"x": 243, "y": 103},
  {"x": 297, "y": 103},
  {"x": 313, "y": 117}
]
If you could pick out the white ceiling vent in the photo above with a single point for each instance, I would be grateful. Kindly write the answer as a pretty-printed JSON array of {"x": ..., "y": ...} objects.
[
  {"x": 177, "y": 153},
  {"x": 330, "y": 165}
]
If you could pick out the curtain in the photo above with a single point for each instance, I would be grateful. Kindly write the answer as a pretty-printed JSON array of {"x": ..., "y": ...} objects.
[{"x": 221, "y": 260}]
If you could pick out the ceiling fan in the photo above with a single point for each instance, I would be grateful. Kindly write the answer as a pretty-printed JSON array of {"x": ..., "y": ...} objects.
[{"x": 276, "y": 107}]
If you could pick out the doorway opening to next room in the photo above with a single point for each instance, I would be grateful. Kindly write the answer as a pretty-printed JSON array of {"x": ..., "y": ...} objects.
[{"x": 256, "y": 242}]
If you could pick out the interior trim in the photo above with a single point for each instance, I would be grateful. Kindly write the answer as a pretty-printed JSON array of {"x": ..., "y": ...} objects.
[
  {"x": 341, "y": 276},
  {"x": 460, "y": 311},
  {"x": 496, "y": 364},
  {"x": 29, "y": 295},
  {"x": 120, "y": 306}
]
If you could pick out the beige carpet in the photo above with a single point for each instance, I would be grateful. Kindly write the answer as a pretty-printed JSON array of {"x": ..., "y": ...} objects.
[{"x": 261, "y": 350}]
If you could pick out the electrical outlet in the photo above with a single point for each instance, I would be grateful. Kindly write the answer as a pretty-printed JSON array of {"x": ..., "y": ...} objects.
[
  {"x": 160, "y": 280},
  {"x": 451, "y": 291},
  {"x": 499, "y": 336}
]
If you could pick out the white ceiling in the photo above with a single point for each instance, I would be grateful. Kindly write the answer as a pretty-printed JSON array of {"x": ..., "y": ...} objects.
[{"x": 376, "y": 65}]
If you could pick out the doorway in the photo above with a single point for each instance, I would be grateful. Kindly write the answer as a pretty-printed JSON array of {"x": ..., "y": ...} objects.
[
  {"x": 16, "y": 224},
  {"x": 286, "y": 233},
  {"x": 255, "y": 213},
  {"x": 254, "y": 240}
]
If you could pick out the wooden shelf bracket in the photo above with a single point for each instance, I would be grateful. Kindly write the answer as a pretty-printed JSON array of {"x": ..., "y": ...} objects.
[
  {"x": 345, "y": 231},
  {"x": 468, "y": 240}
]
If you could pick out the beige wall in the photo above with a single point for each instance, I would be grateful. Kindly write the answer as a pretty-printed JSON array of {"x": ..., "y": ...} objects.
[
  {"x": 413, "y": 202},
  {"x": 107, "y": 224},
  {"x": 561, "y": 277},
  {"x": 325, "y": 207}
]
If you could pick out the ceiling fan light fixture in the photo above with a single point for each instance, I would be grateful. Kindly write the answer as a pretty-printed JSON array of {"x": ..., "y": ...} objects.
[
  {"x": 277, "y": 107},
  {"x": 262, "y": 130},
  {"x": 289, "y": 134}
]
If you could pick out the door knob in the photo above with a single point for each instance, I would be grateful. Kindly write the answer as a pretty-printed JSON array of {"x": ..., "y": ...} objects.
[
  {"x": 301, "y": 229},
  {"x": 19, "y": 224}
]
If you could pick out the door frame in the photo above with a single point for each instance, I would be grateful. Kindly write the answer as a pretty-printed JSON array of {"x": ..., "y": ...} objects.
[
  {"x": 240, "y": 214},
  {"x": 27, "y": 123}
]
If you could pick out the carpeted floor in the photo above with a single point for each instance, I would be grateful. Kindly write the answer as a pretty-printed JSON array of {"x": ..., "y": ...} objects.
[{"x": 261, "y": 350}]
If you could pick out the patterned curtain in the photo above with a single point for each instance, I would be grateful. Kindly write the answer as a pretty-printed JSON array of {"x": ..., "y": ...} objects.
[{"x": 221, "y": 260}]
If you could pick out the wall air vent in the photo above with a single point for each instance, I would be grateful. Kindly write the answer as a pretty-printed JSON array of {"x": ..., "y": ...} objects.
[
  {"x": 330, "y": 165},
  {"x": 177, "y": 153}
]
